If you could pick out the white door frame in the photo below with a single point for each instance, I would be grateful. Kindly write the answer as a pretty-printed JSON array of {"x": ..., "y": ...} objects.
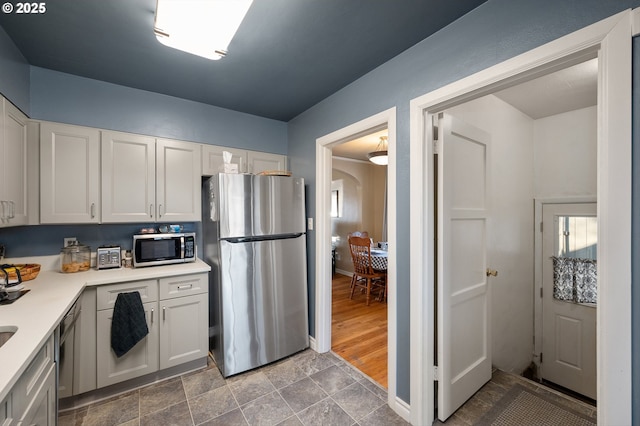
[
  {"x": 610, "y": 40},
  {"x": 324, "y": 145},
  {"x": 538, "y": 204}
]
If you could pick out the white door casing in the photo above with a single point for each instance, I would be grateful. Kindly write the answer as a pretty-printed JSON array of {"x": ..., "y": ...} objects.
[
  {"x": 610, "y": 40},
  {"x": 464, "y": 333},
  {"x": 569, "y": 329},
  {"x": 322, "y": 341}
]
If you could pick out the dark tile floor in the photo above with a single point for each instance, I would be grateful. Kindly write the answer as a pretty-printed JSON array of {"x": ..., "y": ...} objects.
[
  {"x": 491, "y": 393},
  {"x": 306, "y": 389}
]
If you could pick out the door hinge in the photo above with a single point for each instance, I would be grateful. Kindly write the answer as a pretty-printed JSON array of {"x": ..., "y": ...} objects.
[
  {"x": 540, "y": 357},
  {"x": 540, "y": 226},
  {"x": 436, "y": 141},
  {"x": 541, "y": 292},
  {"x": 436, "y": 373}
]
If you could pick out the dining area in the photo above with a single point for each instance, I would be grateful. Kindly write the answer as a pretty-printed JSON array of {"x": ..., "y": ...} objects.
[{"x": 359, "y": 305}]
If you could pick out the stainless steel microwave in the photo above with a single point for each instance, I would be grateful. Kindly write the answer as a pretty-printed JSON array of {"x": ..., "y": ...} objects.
[{"x": 163, "y": 249}]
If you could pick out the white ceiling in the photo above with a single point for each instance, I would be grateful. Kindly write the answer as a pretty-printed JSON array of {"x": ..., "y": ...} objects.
[
  {"x": 566, "y": 90},
  {"x": 357, "y": 149}
]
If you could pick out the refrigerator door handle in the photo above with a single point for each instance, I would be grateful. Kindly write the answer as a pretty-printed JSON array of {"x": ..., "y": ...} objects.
[{"x": 236, "y": 240}]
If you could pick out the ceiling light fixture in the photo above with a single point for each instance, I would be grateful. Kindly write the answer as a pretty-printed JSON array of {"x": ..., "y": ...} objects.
[
  {"x": 380, "y": 155},
  {"x": 200, "y": 27}
]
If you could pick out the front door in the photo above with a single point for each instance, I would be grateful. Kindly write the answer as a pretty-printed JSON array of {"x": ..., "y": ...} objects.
[
  {"x": 569, "y": 245},
  {"x": 464, "y": 341}
]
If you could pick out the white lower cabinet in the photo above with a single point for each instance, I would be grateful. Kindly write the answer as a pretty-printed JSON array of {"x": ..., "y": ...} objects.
[
  {"x": 183, "y": 330},
  {"x": 6, "y": 413},
  {"x": 140, "y": 360},
  {"x": 42, "y": 410},
  {"x": 32, "y": 400},
  {"x": 176, "y": 310}
]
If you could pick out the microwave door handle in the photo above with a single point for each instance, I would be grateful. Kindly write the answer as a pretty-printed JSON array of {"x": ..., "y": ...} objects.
[{"x": 181, "y": 247}]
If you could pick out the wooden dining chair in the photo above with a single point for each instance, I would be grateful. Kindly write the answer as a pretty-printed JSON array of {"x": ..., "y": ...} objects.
[
  {"x": 364, "y": 276},
  {"x": 363, "y": 234}
]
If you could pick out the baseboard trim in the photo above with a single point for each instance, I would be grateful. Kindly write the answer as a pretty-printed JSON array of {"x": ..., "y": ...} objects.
[
  {"x": 402, "y": 409},
  {"x": 312, "y": 343}
]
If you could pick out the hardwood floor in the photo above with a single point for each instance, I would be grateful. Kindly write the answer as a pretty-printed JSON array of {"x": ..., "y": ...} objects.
[{"x": 358, "y": 331}]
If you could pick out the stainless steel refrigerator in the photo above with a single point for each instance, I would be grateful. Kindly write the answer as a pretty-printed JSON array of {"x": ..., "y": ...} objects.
[{"x": 254, "y": 240}]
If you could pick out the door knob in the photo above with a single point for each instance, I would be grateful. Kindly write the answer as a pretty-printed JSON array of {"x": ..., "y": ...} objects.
[{"x": 492, "y": 272}]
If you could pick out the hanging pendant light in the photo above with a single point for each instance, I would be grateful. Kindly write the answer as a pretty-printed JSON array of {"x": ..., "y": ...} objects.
[{"x": 380, "y": 156}]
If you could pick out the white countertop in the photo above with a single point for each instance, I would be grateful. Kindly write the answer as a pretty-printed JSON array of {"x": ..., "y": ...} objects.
[{"x": 38, "y": 313}]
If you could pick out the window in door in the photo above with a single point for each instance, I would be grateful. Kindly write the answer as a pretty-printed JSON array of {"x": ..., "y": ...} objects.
[{"x": 577, "y": 237}]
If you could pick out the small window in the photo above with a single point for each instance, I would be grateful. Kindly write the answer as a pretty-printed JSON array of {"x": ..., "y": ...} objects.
[
  {"x": 335, "y": 200},
  {"x": 577, "y": 237}
]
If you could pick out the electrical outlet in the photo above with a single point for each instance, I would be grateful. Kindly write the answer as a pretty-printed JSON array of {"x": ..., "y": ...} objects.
[{"x": 70, "y": 241}]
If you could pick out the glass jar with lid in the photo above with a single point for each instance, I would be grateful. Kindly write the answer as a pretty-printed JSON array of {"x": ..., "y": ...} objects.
[{"x": 75, "y": 257}]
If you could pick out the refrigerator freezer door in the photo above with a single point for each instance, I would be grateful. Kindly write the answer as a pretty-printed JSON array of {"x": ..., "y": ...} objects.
[
  {"x": 260, "y": 205},
  {"x": 263, "y": 291}
]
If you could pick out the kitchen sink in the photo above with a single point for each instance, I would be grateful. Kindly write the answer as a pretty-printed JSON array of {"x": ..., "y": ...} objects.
[{"x": 6, "y": 332}]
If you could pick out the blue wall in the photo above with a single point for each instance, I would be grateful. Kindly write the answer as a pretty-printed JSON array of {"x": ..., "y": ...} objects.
[
  {"x": 71, "y": 99},
  {"x": 490, "y": 34},
  {"x": 14, "y": 73}
]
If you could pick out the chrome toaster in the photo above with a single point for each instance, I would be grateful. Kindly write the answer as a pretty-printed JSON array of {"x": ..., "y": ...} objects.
[{"x": 108, "y": 257}]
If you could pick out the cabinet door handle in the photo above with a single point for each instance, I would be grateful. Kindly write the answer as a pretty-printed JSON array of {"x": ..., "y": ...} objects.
[
  {"x": 151, "y": 210},
  {"x": 13, "y": 210},
  {"x": 164, "y": 313},
  {"x": 185, "y": 287},
  {"x": 6, "y": 210},
  {"x": 93, "y": 210},
  {"x": 151, "y": 315},
  {"x": 159, "y": 210}
]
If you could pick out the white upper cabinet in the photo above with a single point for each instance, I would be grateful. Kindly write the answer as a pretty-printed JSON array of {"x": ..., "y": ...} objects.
[
  {"x": 69, "y": 174},
  {"x": 264, "y": 161},
  {"x": 178, "y": 183},
  {"x": 149, "y": 180},
  {"x": 13, "y": 160},
  {"x": 247, "y": 161},
  {"x": 128, "y": 177},
  {"x": 212, "y": 161}
]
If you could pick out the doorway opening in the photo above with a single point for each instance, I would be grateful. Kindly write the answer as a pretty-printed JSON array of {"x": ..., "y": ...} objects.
[
  {"x": 609, "y": 41},
  {"x": 496, "y": 154},
  {"x": 323, "y": 266},
  {"x": 358, "y": 204}
]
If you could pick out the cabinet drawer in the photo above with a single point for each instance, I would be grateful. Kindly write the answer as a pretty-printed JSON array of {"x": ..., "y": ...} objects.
[
  {"x": 33, "y": 377},
  {"x": 183, "y": 285},
  {"x": 107, "y": 294}
]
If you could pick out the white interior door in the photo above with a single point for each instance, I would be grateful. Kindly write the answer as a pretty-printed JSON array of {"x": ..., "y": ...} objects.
[
  {"x": 464, "y": 335},
  {"x": 568, "y": 328}
]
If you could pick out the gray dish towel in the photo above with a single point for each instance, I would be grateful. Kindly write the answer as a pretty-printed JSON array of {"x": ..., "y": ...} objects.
[{"x": 129, "y": 324}]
